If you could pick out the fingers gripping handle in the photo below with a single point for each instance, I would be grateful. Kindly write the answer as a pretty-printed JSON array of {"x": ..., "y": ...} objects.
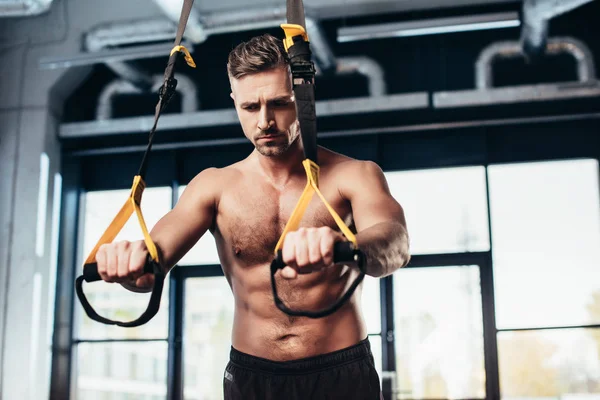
[
  {"x": 90, "y": 271},
  {"x": 342, "y": 252},
  {"x": 90, "y": 274}
]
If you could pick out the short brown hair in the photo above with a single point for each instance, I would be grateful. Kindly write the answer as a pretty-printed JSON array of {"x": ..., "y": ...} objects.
[{"x": 260, "y": 53}]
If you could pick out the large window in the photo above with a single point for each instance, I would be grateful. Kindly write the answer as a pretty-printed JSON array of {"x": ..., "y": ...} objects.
[
  {"x": 438, "y": 316},
  {"x": 207, "y": 336},
  {"x": 561, "y": 363},
  {"x": 439, "y": 333},
  {"x": 546, "y": 232},
  {"x": 371, "y": 307},
  {"x": 113, "y": 362},
  {"x": 446, "y": 209},
  {"x": 546, "y": 241}
]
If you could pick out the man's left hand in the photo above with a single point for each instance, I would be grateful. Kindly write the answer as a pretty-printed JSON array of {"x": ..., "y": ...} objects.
[{"x": 308, "y": 250}]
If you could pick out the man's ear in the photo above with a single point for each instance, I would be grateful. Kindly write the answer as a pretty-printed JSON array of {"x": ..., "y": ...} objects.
[{"x": 232, "y": 96}]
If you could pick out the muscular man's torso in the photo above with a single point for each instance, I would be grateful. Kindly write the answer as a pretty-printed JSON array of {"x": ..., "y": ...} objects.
[{"x": 250, "y": 216}]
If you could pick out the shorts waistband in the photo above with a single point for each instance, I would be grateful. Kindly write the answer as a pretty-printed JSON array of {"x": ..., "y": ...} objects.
[{"x": 303, "y": 365}]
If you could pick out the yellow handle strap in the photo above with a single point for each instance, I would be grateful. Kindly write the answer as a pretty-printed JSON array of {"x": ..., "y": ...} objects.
[
  {"x": 312, "y": 187},
  {"x": 291, "y": 31},
  {"x": 132, "y": 203},
  {"x": 188, "y": 56}
]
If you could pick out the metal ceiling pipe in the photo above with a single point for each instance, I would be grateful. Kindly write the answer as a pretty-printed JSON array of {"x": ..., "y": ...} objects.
[
  {"x": 535, "y": 22},
  {"x": 246, "y": 19},
  {"x": 131, "y": 32},
  {"x": 369, "y": 68},
  {"x": 185, "y": 87},
  {"x": 319, "y": 46},
  {"x": 24, "y": 8},
  {"x": 586, "y": 71}
]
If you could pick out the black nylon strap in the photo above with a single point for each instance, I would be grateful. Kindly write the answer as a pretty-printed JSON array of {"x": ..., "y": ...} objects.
[
  {"x": 305, "y": 108},
  {"x": 295, "y": 13},
  {"x": 169, "y": 85}
]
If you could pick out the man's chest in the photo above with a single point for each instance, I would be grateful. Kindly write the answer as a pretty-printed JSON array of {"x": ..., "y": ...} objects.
[{"x": 251, "y": 221}]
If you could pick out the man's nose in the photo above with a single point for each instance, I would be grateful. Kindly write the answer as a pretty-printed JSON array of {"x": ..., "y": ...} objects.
[{"x": 265, "y": 119}]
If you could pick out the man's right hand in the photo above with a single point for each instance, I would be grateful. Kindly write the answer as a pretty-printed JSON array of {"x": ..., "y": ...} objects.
[{"x": 123, "y": 262}]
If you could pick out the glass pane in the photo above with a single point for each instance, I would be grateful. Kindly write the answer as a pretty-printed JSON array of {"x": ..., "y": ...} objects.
[
  {"x": 446, "y": 209},
  {"x": 111, "y": 300},
  {"x": 556, "y": 364},
  {"x": 371, "y": 304},
  {"x": 116, "y": 371},
  {"x": 208, "y": 323},
  {"x": 375, "y": 341},
  {"x": 439, "y": 333},
  {"x": 203, "y": 252},
  {"x": 546, "y": 237}
]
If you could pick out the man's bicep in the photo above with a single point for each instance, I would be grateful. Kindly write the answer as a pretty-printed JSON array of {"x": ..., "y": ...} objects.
[{"x": 370, "y": 197}]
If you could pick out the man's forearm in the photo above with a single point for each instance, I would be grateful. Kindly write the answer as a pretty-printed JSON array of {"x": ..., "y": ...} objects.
[{"x": 386, "y": 248}]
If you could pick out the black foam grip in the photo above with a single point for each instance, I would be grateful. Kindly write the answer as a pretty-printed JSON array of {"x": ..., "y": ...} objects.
[
  {"x": 90, "y": 271},
  {"x": 342, "y": 252}
]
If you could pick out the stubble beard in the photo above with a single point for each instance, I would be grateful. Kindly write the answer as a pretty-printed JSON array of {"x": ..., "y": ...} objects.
[
  {"x": 273, "y": 149},
  {"x": 278, "y": 148}
]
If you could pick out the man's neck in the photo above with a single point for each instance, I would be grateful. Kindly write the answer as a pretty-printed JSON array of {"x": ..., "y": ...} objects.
[{"x": 279, "y": 170}]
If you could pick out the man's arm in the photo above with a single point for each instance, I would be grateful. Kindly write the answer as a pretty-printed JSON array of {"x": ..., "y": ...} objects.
[
  {"x": 379, "y": 219},
  {"x": 174, "y": 235},
  {"x": 179, "y": 230}
]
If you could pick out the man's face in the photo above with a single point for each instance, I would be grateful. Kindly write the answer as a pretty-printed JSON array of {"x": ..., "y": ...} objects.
[{"x": 265, "y": 106}]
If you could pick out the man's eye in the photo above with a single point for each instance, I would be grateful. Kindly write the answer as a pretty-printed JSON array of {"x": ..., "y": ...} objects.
[
  {"x": 251, "y": 107},
  {"x": 281, "y": 103}
]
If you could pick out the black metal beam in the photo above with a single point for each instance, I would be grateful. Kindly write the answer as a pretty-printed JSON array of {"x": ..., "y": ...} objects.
[
  {"x": 388, "y": 344},
  {"x": 490, "y": 340},
  {"x": 444, "y": 260},
  {"x": 175, "y": 382},
  {"x": 545, "y": 328},
  {"x": 488, "y": 307}
]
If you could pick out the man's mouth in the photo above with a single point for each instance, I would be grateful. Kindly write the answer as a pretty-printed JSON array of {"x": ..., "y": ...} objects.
[{"x": 270, "y": 136}]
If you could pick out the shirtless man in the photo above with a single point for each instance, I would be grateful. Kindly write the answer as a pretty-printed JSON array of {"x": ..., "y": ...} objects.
[{"x": 246, "y": 206}]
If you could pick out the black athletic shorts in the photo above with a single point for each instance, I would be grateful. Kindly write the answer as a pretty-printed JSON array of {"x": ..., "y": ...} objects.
[{"x": 347, "y": 374}]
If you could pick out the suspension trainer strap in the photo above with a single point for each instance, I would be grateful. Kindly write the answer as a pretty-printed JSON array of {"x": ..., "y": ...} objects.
[
  {"x": 133, "y": 202},
  {"x": 297, "y": 45}
]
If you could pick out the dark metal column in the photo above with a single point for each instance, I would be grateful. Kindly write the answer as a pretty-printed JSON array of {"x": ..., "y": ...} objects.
[{"x": 60, "y": 385}]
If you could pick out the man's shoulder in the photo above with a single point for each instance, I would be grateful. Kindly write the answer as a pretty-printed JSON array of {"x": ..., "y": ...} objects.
[
  {"x": 218, "y": 174},
  {"x": 211, "y": 181},
  {"x": 341, "y": 163}
]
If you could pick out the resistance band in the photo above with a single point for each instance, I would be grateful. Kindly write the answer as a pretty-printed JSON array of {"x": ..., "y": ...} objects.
[
  {"x": 133, "y": 203},
  {"x": 303, "y": 72}
]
